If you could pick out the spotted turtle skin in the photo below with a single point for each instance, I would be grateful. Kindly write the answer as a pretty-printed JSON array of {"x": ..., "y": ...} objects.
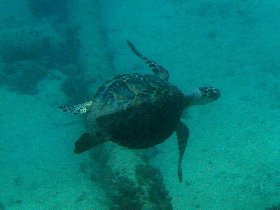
[{"x": 137, "y": 110}]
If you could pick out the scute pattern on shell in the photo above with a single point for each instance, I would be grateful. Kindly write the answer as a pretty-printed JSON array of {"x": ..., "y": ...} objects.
[
  {"x": 137, "y": 110},
  {"x": 131, "y": 89}
]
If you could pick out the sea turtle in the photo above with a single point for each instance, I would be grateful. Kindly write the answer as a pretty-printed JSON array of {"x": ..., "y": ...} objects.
[{"x": 139, "y": 111}]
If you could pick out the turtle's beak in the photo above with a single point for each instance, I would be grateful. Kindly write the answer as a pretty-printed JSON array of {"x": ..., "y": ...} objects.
[{"x": 215, "y": 94}]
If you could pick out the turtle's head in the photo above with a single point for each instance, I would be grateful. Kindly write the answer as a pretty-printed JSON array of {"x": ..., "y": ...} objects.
[{"x": 202, "y": 95}]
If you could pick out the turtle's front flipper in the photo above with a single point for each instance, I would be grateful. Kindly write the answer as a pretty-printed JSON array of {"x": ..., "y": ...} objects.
[
  {"x": 87, "y": 141},
  {"x": 182, "y": 133},
  {"x": 78, "y": 108},
  {"x": 159, "y": 70}
]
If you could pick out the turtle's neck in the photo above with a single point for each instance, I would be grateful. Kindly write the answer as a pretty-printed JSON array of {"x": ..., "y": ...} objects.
[{"x": 192, "y": 97}]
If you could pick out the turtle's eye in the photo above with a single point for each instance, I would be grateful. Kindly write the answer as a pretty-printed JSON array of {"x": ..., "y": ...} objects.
[{"x": 205, "y": 91}]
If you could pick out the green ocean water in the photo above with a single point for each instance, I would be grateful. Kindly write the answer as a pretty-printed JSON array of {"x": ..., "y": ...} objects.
[{"x": 59, "y": 52}]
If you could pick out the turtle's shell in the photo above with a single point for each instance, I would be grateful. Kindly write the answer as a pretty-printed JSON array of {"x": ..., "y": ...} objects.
[{"x": 136, "y": 110}]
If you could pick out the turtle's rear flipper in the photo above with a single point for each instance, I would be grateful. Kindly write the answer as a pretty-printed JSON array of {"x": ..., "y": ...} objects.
[
  {"x": 182, "y": 133},
  {"x": 86, "y": 142}
]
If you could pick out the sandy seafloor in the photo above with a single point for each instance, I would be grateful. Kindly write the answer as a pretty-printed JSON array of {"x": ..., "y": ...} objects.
[{"x": 232, "y": 159}]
